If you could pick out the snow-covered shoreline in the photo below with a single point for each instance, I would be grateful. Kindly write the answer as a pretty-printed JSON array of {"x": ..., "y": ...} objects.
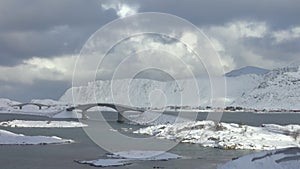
[
  {"x": 57, "y": 109},
  {"x": 227, "y": 136}
]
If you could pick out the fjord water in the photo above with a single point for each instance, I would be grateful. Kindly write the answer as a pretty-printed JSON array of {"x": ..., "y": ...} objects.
[{"x": 63, "y": 155}]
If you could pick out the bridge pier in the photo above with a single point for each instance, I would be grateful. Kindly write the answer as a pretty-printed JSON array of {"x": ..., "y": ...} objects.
[
  {"x": 84, "y": 115},
  {"x": 121, "y": 118}
]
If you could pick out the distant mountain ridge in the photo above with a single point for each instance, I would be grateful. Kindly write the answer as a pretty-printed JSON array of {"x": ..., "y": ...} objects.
[
  {"x": 140, "y": 89},
  {"x": 278, "y": 89},
  {"x": 248, "y": 87},
  {"x": 247, "y": 70}
]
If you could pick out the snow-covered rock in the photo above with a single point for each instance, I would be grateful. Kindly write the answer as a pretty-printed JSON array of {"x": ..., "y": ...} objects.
[
  {"x": 42, "y": 124},
  {"x": 128, "y": 157},
  {"x": 9, "y": 138},
  {"x": 227, "y": 136},
  {"x": 288, "y": 158}
]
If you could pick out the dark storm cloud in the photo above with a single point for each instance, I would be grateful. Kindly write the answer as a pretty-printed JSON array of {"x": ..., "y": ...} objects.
[
  {"x": 18, "y": 15},
  {"x": 46, "y": 28},
  {"x": 26, "y": 26},
  {"x": 281, "y": 52},
  {"x": 17, "y": 46},
  {"x": 41, "y": 89},
  {"x": 51, "y": 28},
  {"x": 278, "y": 13}
]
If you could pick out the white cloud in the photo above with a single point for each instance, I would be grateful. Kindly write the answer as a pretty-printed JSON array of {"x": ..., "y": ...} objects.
[
  {"x": 122, "y": 9},
  {"x": 241, "y": 29},
  {"x": 286, "y": 35},
  {"x": 229, "y": 42},
  {"x": 167, "y": 54},
  {"x": 243, "y": 43},
  {"x": 189, "y": 38},
  {"x": 57, "y": 68},
  {"x": 250, "y": 29},
  {"x": 256, "y": 59},
  {"x": 150, "y": 51}
]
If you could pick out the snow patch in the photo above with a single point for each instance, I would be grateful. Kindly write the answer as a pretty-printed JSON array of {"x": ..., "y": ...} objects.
[
  {"x": 9, "y": 138},
  {"x": 106, "y": 162},
  {"x": 144, "y": 155},
  {"x": 128, "y": 157},
  {"x": 42, "y": 124}
]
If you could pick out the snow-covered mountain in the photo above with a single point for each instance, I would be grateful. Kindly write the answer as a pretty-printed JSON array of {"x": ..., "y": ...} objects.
[
  {"x": 280, "y": 89},
  {"x": 184, "y": 92},
  {"x": 247, "y": 70},
  {"x": 277, "y": 89},
  {"x": 7, "y": 102}
]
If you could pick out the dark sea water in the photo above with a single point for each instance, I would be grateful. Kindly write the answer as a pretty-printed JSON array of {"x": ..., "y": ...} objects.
[{"x": 62, "y": 156}]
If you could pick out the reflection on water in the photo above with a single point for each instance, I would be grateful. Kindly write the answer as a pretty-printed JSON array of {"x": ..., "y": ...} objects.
[{"x": 63, "y": 156}]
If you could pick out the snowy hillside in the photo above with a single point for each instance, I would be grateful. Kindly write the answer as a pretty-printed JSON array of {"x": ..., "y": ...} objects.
[
  {"x": 247, "y": 70},
  {"x": 275, "y": 90},
  {"x": 7, "y": 103},
  {"x": 279, "y": 90},
  {"x": 144, "y": 92}
]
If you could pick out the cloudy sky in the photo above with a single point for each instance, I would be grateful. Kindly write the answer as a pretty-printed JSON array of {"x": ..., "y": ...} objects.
[{"x": 40, "y": 39}]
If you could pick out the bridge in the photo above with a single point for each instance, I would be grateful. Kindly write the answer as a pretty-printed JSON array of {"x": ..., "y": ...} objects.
[
  {"x": 34, "y": 104},
  {"x": 118, "y": 107}
]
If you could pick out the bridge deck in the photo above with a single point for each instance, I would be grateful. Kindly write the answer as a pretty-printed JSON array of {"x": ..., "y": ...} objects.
[
  {"x": 118, "y": 107},
  {"x": 34, "y": 104}
]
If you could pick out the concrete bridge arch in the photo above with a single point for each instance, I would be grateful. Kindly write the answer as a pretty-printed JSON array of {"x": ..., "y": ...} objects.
[
  {"x": 119, "y": 108},
  {"x": 40, "y": 106}
]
